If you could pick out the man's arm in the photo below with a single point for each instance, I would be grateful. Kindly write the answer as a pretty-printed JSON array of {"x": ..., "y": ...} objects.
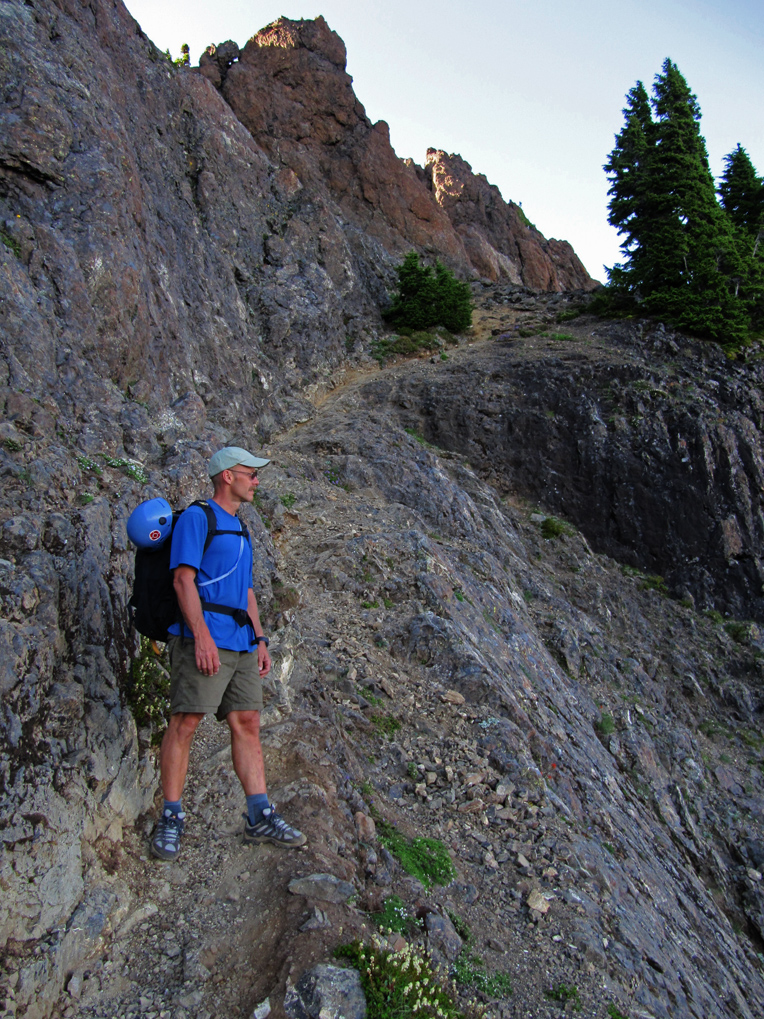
[
  {"x": 263, "y": 658},
  {"x": 207, "y": 658}
]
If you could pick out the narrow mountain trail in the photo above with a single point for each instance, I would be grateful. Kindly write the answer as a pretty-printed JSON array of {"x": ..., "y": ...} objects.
[{"x": 440, "y": 666}]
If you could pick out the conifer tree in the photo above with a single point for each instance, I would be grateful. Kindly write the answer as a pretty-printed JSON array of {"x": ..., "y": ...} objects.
[
  {"x": 430, "y": 297},
  {"x": 627, "y": 169},
  {"x": 742, "y": 193},
  {"x": 683, "y": 260}
]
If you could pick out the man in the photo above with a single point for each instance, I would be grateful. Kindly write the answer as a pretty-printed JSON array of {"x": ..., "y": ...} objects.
[{"x": 218, "y": 654}]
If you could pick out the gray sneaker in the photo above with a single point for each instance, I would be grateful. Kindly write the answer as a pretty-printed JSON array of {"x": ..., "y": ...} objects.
[
  {"x": 165, "y": 843},
  {"x": 273, "y": 828}
]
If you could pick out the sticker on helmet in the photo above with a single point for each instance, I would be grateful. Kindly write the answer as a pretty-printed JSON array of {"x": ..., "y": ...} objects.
[{"x": 155, "y": 535}]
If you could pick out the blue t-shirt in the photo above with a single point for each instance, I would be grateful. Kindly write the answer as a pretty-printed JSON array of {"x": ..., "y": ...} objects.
[{"x": 225, "y": 552}]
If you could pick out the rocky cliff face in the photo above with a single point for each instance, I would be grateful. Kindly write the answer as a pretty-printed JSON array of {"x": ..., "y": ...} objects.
[
  {"x": 192, "y": 259},
  {"x": 499, "y": 241},
  {"x": 649, "y": 442},
  {"x": 290, "y": 88}
]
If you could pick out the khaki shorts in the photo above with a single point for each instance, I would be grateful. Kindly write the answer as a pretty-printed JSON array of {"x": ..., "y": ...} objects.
[{"x": 236, "y": 687}]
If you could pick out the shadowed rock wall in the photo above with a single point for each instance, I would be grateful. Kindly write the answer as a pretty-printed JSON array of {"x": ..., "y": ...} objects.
[{"x": 655, "y": 453}]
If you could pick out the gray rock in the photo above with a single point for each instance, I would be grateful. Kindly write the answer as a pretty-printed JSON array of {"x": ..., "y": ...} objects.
[
  {"x": 325, "y": 887},
  {"x": 326, "y": 992},
  {"x": 442, "y": 936}
]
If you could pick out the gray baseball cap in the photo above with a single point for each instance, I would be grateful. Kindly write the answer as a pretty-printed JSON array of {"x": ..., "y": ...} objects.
[{"x": 229, "y": 457}]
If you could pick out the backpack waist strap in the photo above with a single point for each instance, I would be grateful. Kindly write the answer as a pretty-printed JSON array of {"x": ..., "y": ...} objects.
[{"x": 240, "y": 616}]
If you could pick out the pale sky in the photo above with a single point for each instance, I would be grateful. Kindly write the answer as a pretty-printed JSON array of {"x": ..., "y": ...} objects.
[{"x": 529, "y": 92}]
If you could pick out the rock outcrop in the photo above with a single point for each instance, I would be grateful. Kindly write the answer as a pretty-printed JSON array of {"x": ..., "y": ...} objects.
[
  {"x": 500, "y": 242},
  {"x": 289, "y": 87},
  {"x": 291, "y": 91}
]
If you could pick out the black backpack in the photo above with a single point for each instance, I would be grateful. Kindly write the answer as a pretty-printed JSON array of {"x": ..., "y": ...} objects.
[{"x": 153, "y": 604}]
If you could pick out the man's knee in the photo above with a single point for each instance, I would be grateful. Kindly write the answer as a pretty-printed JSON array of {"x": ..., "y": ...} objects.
[
  {"x": 244, "y": 723},
  {"x": 184, "y": 724}
]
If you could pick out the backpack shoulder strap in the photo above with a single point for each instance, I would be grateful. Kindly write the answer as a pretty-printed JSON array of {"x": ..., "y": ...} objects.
[{"x": 212, "y": 524}]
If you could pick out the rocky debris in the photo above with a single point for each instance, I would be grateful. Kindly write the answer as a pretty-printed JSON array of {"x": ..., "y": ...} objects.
[
  {"x": 585, "y": 851},
  {"x": 659, "y": 481}
]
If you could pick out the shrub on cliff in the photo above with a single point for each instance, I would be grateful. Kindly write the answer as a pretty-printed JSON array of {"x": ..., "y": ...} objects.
[{"x": 428, "y": 297}]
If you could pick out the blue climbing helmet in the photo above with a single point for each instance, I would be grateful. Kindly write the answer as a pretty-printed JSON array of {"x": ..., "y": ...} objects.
[{"x": 150, "y": 523}]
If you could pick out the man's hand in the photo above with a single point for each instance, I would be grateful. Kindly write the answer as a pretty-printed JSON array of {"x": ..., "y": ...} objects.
[
  {"x": 205, "y": 648},
  {"x": 207, "y": 657},
  {"x": 263, "y": 659}
]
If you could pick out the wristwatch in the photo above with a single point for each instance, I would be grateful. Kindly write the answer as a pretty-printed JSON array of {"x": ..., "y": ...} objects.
[{"x": 262, "y": 640}]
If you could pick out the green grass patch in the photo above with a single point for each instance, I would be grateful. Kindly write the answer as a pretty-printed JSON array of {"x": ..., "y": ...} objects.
[
  {"x": 524, "y": 219},
  {"x": 553, "y": 527},
  {"x": 13, "y": 445},
  {"x": 10, "y": 243},
  {"x": 562, "y": 337},
  {"x": 564, "y": 994},
  {"x": 461, "y": 927},
  {"x": 374, "y": 701},
  {"x": 615, "y": 1013},
  {"x": 470, "y": 971},
  {"x": 367, "y": 790},
  {"x": 87, "y": 463},
  {"x": 654, "y": 582},
  {"x": 394, "y": 916},
  {"x": 741, "y": 632},
  {"x": 422, "y": 858},
  {"x": 288, "y": 500},
  {"x": 130, "y": 468},
  {"x": 405, "y": 344},
  {"x": 605, "y": 725},
  {"x": 647, "y": 581},
  {"x": 419, "y": 438},
  {"x": 710, "y": 728},
  {"x": 385, "y": 725},
  {"x": 568, "y": 316},
  {"x": 751, "y": 738}
]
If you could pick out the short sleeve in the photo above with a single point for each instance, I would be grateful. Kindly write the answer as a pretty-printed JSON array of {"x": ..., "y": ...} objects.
[{"x": 188, "y": 538}]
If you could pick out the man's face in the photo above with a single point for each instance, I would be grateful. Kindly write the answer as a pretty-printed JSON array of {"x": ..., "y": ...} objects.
[{"x": 245, "y": 482}]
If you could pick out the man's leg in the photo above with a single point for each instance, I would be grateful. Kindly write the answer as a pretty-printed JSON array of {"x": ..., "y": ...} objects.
[
  {"x": 176, "y": 747},
  {"x": 247, "y": 755},
  {"x": 246, "y": 751}
]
